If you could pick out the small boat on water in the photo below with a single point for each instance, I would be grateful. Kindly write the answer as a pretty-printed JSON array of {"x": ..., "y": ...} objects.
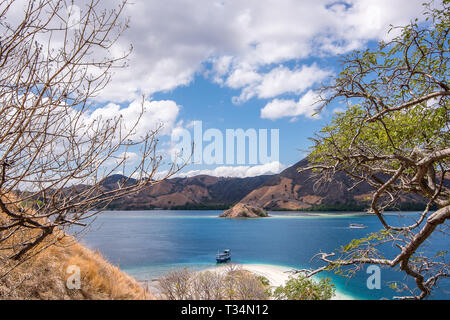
[
  {"x": 224, "y": 256},
  {"x": 357, "y": 226}
]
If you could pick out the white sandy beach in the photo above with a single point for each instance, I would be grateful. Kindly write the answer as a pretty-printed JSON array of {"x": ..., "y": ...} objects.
[{"x": 277, "y": 276}]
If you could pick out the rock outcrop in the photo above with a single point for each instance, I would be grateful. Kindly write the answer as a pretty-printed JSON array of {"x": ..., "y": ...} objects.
[{"x": 242, "y": 210}]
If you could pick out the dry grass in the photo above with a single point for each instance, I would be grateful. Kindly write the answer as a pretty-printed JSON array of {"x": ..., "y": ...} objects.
[{"x": 43, "y": 275}]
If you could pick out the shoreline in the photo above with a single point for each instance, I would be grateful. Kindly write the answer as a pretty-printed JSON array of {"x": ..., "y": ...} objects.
[
  {"x": 362, "y": 212},
  {"x": 277, "y": 276}
]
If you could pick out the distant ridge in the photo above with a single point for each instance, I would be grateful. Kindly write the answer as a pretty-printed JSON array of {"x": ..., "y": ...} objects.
[
  {"x": 288, "y": 190},
  {"x": 199, "y": 192},
  {"x": 291, "y": 190}
]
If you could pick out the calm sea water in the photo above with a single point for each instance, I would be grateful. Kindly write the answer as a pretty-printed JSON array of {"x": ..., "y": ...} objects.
[{"x": 147, "y": 244}]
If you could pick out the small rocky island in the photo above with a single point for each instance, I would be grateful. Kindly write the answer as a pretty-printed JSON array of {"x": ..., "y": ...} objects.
[{"x": 242, "y": 210}]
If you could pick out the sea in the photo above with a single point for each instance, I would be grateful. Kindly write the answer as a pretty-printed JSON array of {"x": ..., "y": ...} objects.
[{"x": 148, "y": 244}]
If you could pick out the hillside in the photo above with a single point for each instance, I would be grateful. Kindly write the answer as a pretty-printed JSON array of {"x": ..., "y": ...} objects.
[
  {"x": 44, "y": 275},
  {"x": 288, "y": 190},
  {"x": 291, "y": 190},
  {"x": 200, "y": 192}
]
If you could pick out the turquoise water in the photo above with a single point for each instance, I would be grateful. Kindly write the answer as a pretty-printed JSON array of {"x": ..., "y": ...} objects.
[{"x": 147, "y": 244}]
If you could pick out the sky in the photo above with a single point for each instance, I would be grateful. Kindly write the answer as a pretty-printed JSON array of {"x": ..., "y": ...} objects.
[{"x": 252, "y": 64}]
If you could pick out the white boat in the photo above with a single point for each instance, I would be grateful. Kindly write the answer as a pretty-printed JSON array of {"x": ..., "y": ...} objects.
[
  {"x": 357, "y": 226},
  {"x": 223, "y": 257}
]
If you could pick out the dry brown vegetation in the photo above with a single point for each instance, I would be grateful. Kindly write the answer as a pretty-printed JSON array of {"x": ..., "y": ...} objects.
[{"x": 43, "y": 274}]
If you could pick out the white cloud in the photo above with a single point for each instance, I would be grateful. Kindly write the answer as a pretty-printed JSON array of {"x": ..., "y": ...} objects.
[
  {"x": 242, "y": 39},
  {"x": 279, "y": 108},
  {"x": 129, "y": 156},
  {"x": 281, "y": 80},
  {"x": 148, "y": 115},
  {"x": 221, "y": 66},
  {"x": 124, "y": 158},
  {"x": 240, "y": 44},
  {"x": 278, "y": 81},
  {"x": 238, "y": 171},
  {"x": 243, "y": 77},
  {"x": 338, "y": 110}
]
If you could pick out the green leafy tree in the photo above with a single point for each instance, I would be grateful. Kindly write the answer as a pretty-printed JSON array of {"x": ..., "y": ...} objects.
[
  {"x": 302, "y": 288},
  {"x": 394, "y": 136}
]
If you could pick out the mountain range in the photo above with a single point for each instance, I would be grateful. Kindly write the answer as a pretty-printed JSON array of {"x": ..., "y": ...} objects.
[{"x": 288, "y": 190}]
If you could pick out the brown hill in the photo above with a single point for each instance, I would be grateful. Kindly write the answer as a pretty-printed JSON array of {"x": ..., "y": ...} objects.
[
  {"x": 200, "y": 192},
  {"x": 288, "y": 190},
  {"x": 291, "y": 190}
]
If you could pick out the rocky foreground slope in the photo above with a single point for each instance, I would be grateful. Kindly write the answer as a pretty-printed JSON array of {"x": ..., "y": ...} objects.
[{"x": 47, "y": 273}]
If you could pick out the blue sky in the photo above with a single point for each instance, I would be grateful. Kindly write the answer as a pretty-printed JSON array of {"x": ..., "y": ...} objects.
[
  {"x": 206, "y": 101},
  {"x": 242, "y": 64}
]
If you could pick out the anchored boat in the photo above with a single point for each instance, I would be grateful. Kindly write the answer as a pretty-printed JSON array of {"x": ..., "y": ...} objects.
[
  {"x": 224, "y": 256},
  {"x": 357, "y": 226}
]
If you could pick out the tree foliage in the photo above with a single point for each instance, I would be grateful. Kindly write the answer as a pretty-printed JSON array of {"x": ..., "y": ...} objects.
[
  {"x": 302, "y": 288},
  {"x": 394, "y": 136}
]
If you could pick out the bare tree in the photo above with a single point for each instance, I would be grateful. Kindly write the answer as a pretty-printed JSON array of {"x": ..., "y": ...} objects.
[
  {"x": 54, "y": 155},
  {"x": 207, "y": 285},
  {"x": 394, "y": 136},
  {"x": 230, "y": 283},
  {"x": 177, "y": 284}
]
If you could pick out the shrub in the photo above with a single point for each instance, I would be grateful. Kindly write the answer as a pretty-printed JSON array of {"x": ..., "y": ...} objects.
[
  {"x": 301, "y": 288},
  {"x": 233, "y": 283}
]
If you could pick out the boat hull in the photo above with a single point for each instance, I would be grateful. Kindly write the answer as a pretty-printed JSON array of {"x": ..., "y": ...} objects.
[
  {"x": 223, "y": 257},
  {"x": 357, "y": 226},
  {"x": 223, "y": 260}
]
